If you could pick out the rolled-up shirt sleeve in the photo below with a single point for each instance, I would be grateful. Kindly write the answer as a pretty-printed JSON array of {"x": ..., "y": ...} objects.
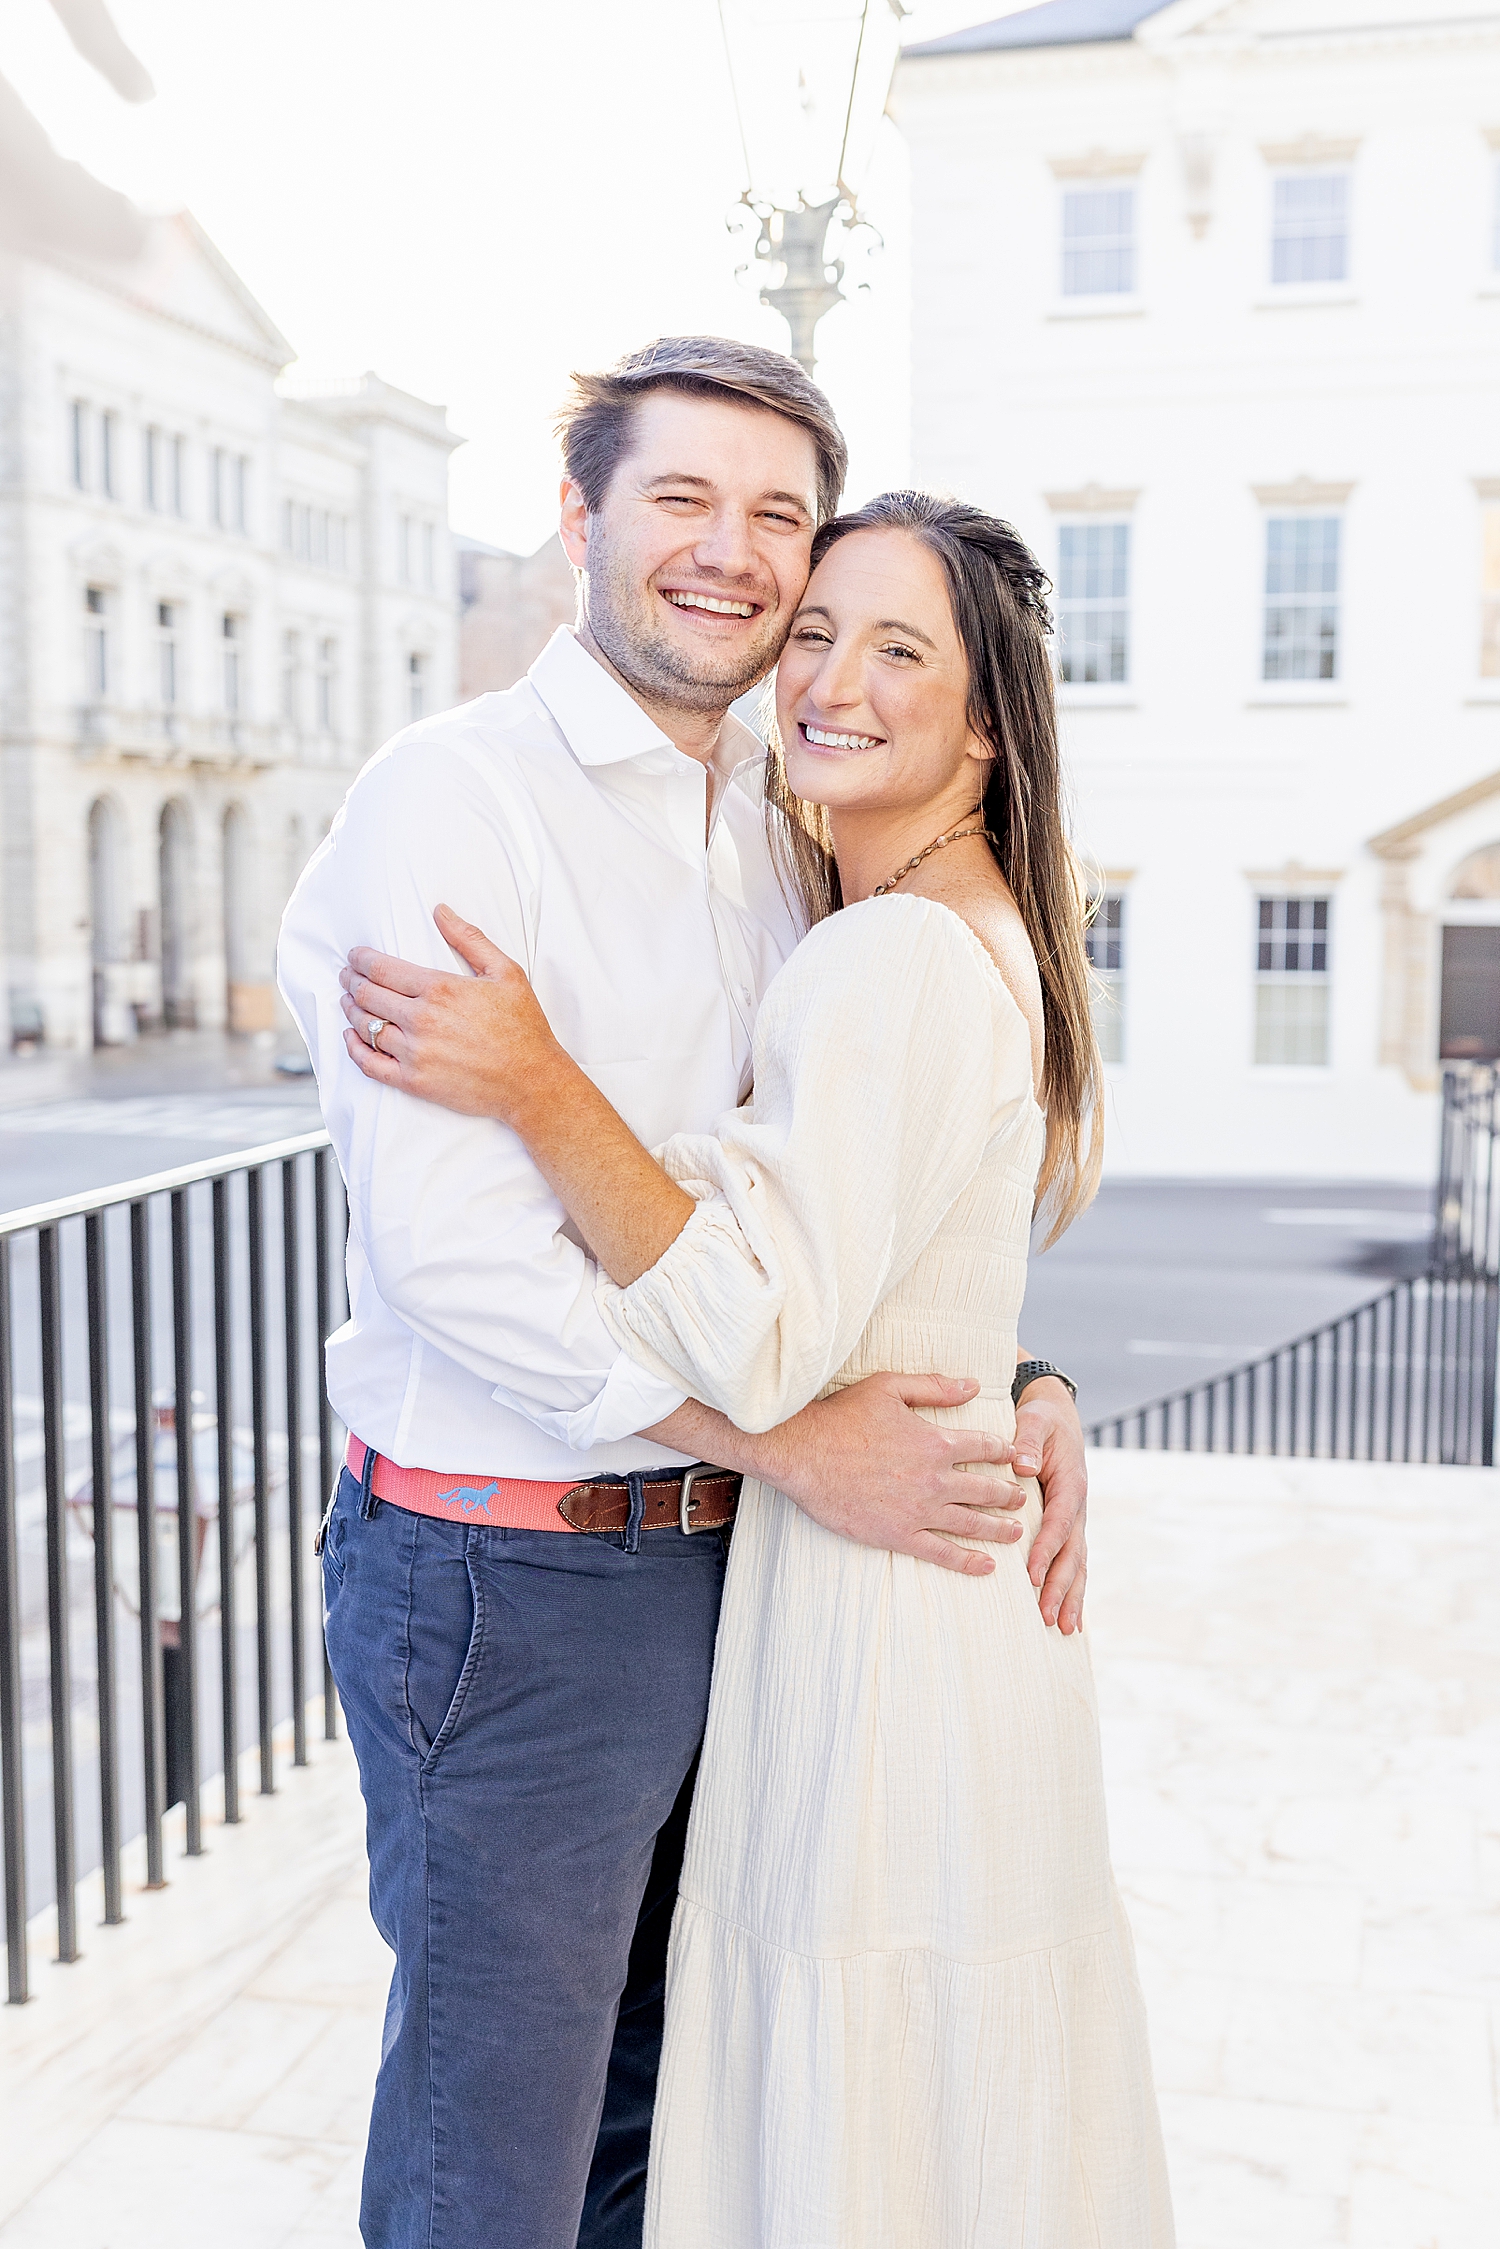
[
  {"x": 463, "y": 1239},
  {"x": 882, "y": 1071}
]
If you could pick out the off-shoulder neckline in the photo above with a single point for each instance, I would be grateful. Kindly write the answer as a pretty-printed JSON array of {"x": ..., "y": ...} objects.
[{"x": 985, "y": 956}]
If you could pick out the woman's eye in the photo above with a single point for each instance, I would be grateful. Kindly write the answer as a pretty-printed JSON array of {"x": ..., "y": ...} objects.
[
  {"x": 814, "y": 634},
  {"x": 894, "y": 648}
]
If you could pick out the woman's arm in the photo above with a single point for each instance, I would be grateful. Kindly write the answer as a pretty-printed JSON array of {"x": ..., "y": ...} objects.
[{"x": 483, "y": 1046}]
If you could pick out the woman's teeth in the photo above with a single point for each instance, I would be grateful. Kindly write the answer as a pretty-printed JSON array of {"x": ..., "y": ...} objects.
[
  {"x": 717, "y": 608},
  {"x": 826, "y": 741}
]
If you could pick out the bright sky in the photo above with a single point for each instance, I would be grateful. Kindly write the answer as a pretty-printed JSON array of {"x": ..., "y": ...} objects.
[{"x": 474, "y": 196}]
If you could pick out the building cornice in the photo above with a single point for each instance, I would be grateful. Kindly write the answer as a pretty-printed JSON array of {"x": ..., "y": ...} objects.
[
  {"x": 259, "y": 356},
  {"x": 1092, "y": 499},
  {"x": 1302, "y": 492},
  {"x": 1312, "y": 148},
  {"x": 1099, "y": 164},
  {"x": 1396, "y": 843}
]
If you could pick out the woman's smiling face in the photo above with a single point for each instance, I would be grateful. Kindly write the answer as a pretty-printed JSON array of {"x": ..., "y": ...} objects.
[{"x": 873, "y": 685}]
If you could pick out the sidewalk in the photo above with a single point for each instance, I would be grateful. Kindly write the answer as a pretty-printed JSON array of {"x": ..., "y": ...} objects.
[{"x": 1299, "y": 1673}]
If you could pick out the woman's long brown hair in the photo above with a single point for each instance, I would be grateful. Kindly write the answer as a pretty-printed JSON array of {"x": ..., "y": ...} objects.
[{"x": 998, "y": 592}]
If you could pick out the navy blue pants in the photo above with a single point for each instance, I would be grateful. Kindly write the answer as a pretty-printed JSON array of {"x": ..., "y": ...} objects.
[{"x": 526, "y": 1708}]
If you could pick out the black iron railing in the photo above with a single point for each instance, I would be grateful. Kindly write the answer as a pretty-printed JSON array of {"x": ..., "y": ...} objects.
[
  {"x": 1409, "y": 1376},
  {"x": 102, "y": 1296}
]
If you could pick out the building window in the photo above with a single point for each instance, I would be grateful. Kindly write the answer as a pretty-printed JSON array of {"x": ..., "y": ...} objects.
[
  {"x": 1489, "y": 626},
  {"x": 328, "y": 665},
  {"x": 403, "y": 549},
  {"x": 1291, "y": 980},
  {"x": 230, "y": 476},
  {"x": 109, "y": 455},
  {"x": 79, "y": 433},
  {"x": 416, "y": 670},
  {"x": 96, "y": 642},
  {"x": 318, "y": 539},
  {"x": 151, "y": 467},
  {"x": 338, "y": 542},
  {"x": 1093, "y": 589},
  {"x": 179, "y": 476},
  {"x": 1302, "y": 597},
  {"x": 1310, "y": 227},
  {"x": 1098, "y": 241},
  {"x": 166, "y": 652},
  {"x": 291, "y": 677},
  {"x": 1104, "y": 942},
  {"x": 429, "y": 557},
  {"x": 232, "y": 639}
]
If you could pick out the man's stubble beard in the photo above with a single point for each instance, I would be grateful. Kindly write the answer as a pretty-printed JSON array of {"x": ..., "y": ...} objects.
[{"x": 647, "y": 660}]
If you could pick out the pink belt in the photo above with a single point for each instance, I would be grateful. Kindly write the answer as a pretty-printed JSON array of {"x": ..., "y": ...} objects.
[{"x": 507, "y": 1501}]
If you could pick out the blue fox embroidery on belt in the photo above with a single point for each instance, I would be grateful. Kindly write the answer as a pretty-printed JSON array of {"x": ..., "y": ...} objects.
[{"x": 470, "y": 1498}]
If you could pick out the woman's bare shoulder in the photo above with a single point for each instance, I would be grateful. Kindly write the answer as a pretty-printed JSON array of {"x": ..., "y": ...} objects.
[{"x": 980, "y": 894}]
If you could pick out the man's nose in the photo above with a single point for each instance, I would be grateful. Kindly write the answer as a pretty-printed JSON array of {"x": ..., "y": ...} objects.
[{"x": 726, "y": 546}]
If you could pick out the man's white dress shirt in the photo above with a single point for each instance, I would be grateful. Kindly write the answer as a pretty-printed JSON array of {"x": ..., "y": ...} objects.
[{"x": 562, "y": 821}]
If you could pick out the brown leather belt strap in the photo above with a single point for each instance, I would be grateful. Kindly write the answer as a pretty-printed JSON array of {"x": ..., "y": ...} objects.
[{"x": 702, "y": 1498}]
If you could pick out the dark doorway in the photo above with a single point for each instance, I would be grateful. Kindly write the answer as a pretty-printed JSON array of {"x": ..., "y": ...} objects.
[{"x": 1470, "y": 1027}]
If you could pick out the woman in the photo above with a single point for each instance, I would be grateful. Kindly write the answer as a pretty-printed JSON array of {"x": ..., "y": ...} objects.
[{"x": 903, "y": 2010}]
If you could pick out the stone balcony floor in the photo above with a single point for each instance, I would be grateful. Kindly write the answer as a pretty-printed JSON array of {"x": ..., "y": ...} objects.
[{"x": 1299, "y": 1672}]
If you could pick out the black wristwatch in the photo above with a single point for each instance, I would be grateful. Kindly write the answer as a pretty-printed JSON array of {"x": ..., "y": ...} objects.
[{"x": 1032, "y": 1370}]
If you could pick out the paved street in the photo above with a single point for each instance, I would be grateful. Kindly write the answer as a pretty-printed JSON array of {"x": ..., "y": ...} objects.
[{"x": 1161, "y": 1283}]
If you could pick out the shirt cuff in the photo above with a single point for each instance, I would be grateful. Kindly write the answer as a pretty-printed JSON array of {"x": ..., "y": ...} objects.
[{"x": 631, "y": 1400}]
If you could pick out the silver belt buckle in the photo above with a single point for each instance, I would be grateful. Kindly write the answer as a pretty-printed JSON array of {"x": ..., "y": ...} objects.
[{"x": 686, "y": 1503}]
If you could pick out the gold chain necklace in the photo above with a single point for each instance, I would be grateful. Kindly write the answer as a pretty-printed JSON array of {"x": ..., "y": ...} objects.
[{"x": 954, "y": 835}]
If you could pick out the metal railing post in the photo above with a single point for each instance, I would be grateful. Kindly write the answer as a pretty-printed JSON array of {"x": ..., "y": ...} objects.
[
  {"x": 224, "y": 1455},
  {"x": 12, "y": 1778},
  {"x": 291, "y": 1282},
  {"x": 104, "y": 1564},
  {"x": 59, "y": 1666},
  {"x": 257, "y": 1261},
  {"x": 185, "y": 1716},
  {"x": 153, "y": 1728}
]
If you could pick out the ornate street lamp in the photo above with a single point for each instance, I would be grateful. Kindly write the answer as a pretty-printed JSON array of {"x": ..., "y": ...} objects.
[{"x": 810, "y": 86}]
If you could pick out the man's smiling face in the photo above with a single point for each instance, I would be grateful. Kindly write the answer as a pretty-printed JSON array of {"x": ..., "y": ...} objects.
[{"x": 695, "y": 563}]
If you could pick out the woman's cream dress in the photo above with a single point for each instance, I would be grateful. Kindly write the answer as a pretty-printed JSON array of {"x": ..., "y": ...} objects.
[{"x": 902, "y": 2004}]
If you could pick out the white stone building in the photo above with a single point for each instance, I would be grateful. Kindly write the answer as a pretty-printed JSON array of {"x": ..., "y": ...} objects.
[
  {"x": 1206, "y": 300},
  {"x": 216, "y": 598}
]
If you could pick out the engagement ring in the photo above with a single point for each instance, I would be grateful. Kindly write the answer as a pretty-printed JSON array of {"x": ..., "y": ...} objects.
[{"x": 377, "y": 1025}]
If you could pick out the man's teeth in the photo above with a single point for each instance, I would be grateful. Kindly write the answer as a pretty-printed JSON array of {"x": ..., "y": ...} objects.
[
  {"x": 706, "y": 601},
  {"x": 840, "y": 741}
]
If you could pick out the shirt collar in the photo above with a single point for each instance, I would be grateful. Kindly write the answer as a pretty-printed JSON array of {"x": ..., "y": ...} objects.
[{"x": 603, "y": 725}]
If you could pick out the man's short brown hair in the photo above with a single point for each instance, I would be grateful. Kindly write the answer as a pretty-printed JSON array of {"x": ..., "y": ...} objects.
[{"x": 595, "y": 424}]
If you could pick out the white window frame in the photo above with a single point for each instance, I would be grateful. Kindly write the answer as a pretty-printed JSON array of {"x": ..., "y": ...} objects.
[
  {"x": 1268, "y": 980},
  {"x": 109, "y": 453},
  {"x": 1274, "y": 683},
  {"x": 232, "y": 682},
  {"x": 97, "y": 652},
  {"x": 291, "y": 677},
  {"x": 1088, "y": 605},
  {"x": 328, "y": 680},
  {"x": 1126, "y": 243},
  {"x": 78, "y": 443},
  {"x": 1110, "y": 980},
  {"x": 169, "y": 655},
  {"x": 1320, "y": 284}
]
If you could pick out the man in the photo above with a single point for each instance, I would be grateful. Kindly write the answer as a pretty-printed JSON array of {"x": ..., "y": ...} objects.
[{"x": 526, "y": 1703}]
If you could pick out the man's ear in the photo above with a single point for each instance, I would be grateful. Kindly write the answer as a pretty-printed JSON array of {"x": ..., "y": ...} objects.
[{"x": 573, "y": 524}]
